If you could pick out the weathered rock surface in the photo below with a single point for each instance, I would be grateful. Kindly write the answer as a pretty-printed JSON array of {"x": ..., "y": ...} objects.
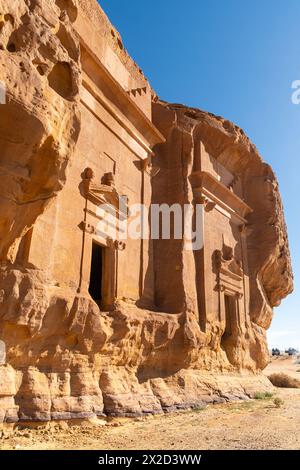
[
  {"x": 64, "y": 358},
  {"x": 270, "y": 269},
  {"x": 39, "y": 124}
]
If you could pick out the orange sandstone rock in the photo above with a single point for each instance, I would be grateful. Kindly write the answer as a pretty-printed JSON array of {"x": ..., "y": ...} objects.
[{"x": 93, "y": 325}]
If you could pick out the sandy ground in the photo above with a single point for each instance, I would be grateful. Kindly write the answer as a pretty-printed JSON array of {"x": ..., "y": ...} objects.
[
  {"x": 255, "y": 424},
  {"x": 288, "y": 365}
]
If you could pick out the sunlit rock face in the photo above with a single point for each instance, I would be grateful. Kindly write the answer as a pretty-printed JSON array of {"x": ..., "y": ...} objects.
[
  {"x": 162, "y": 328},
  {"x": 40, "y": 122}
]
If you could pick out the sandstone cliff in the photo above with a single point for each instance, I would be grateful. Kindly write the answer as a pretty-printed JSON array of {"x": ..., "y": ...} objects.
[
  {"x": 63, "y": 357},
  {"x": 270, "y": 267},
  {"x": 39, "y": 124}
]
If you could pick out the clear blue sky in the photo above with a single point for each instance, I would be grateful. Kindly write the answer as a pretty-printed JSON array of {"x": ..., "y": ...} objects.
[{"x": 238, "y": 59}]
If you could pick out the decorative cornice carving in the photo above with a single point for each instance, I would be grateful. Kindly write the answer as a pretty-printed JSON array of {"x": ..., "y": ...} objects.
[
  {"x": 105, "y": 193},
  {"x": 120, "y": 245},
  {"x": 207, "y": 186},
  {"x": 229, "y": 272}
]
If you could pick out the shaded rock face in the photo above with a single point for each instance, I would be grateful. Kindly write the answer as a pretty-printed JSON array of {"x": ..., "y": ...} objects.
[
  {"x": 60, "y": 357},
  {"x": 39, "y": 124}
]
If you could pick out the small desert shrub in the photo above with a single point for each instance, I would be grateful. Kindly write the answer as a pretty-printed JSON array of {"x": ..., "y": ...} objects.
[
  {"x": 263, "y": 395},
  {"x": 278, "y": 402},
  {"x": 284, "y": 381}
]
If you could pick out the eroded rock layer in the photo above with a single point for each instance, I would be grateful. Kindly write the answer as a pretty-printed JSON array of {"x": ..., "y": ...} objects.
[
  {"x": 39, "y": 124},
  {"x": 164, "y": 343}
]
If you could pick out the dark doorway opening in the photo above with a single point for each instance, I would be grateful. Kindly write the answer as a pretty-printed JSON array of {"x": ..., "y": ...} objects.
[
  {"x": 230, "y": 315},
  {"x": 227, "y": 342},
  {"x": 96, "y": 275},
  {"x": 230, "y": 311}
]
